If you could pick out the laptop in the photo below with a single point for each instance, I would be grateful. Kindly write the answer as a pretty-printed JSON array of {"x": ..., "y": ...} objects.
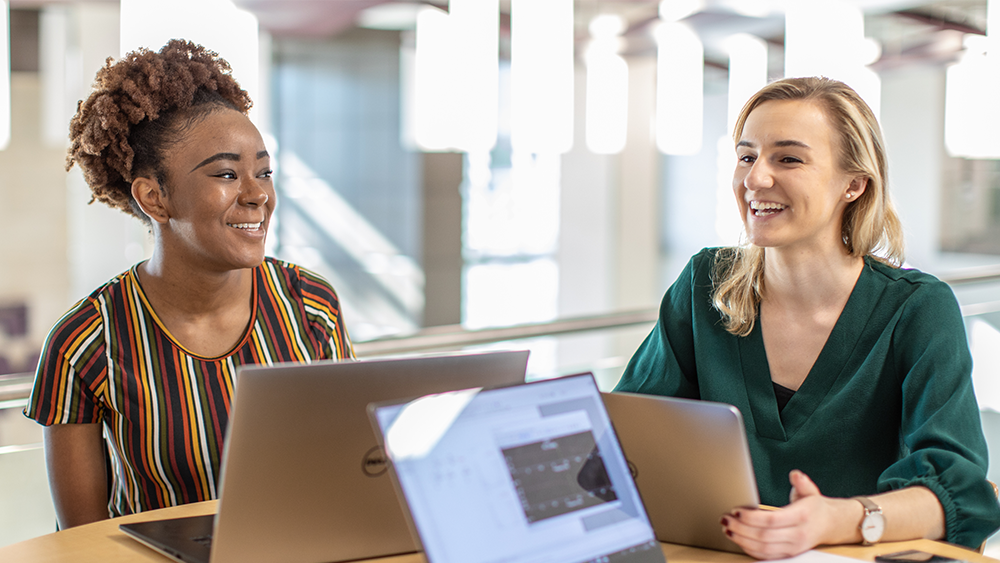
[
  {"x": 691, "y": 462},
  {"x": 526, "y": 474},
  {"x": 303, "y": 479}
]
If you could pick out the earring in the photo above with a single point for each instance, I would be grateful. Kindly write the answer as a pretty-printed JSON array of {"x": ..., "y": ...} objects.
[{"x": 849, "y": 196}]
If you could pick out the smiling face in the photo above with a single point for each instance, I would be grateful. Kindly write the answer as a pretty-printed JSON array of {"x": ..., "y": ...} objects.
[
  {"x": 219, "y": 197},
  {"x": 788, "y": 181}
]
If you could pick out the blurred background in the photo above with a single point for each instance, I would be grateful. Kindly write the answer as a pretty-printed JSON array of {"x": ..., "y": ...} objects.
[{"x": 495, "y": 173}]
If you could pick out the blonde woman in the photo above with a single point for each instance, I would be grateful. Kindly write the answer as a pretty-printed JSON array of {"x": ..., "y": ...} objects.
[{"x": 853, "y": 375}]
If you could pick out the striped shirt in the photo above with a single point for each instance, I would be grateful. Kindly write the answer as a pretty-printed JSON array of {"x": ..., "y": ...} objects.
[{"x": 164, "y": 409}]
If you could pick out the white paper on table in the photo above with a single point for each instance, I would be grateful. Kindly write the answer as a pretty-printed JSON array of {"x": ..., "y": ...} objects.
[{"x": 813, "y": 556}]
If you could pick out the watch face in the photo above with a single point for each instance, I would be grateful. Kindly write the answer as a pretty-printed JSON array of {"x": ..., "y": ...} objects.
[{"x": 872, "y": 527}]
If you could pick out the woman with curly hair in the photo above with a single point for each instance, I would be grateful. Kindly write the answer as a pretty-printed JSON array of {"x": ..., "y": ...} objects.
[
  {"x": 139, "y": 375},
  {"x": 853, "y": 374}
]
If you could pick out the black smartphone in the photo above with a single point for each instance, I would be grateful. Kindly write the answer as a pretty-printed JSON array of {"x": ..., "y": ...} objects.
[{"x": 913, "y": 556}]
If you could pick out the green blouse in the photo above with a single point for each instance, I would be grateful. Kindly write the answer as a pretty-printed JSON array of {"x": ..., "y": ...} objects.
[{"x": 888, "y": 404}]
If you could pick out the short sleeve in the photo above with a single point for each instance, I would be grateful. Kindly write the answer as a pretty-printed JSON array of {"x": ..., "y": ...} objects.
[
  {"x": 72, "y": 366},
  {"x": 326, "y": 320},
  {"x": 664, "y": 362},
  {"x": 941, "y": 430}
]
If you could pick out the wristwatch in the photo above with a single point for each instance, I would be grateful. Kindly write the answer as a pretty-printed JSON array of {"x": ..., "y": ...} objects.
[{"x": 873, "y": 524}]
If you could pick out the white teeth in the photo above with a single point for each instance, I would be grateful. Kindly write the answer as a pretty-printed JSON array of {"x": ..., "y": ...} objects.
[
  {"x": 766, "y": 206},
  {"x": 762, "y": 208},
  {"x": 246, "y": 225}
]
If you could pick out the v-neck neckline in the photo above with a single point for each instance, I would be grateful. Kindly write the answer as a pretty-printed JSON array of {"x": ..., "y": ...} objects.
[{"x": 828, "y": 367}]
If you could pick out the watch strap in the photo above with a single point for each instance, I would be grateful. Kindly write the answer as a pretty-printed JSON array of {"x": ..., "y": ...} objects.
[{"x": 869, "y": 505}]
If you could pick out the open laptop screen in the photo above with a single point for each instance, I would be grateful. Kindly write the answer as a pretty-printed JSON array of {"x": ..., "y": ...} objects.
[{"x": 517, "y": 474}]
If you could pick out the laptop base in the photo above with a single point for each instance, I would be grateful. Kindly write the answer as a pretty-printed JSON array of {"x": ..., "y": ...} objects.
[{"x": 188, "y": 540}]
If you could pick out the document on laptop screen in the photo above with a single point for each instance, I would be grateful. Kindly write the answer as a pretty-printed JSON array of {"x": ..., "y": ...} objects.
[{"x": 530, "y": 473}]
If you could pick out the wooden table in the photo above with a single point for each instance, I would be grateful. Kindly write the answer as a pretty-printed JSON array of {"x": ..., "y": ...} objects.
[{"x": 102, "y": 542}]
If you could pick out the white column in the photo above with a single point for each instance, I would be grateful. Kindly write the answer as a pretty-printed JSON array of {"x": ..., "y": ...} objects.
[
  {"x": 56, "y": 58},
  {"x": 586, "y": 241},
  {"x": 638, "y": 248},
  {"x": 4, "y": 75},
  {"x": 913, "y": 128},
  {"x": 75, "y": 42},
  {"x": 637, "y": 251},
  {"x": 609, "y": 231}
]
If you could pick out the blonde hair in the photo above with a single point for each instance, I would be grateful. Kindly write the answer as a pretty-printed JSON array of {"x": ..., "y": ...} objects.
[{"x": 870, "y": 224}]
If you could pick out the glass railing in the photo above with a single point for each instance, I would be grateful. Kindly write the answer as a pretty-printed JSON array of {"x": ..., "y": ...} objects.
[{"x": 25, "y": 505}]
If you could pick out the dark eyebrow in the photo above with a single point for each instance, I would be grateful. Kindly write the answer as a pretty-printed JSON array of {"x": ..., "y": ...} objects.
[
  {"x": 791, "y": 143},
  {"x": 788, "y": 143},
  {"x": 217, "y": 156},
  {"x": 225, "y": 156}
]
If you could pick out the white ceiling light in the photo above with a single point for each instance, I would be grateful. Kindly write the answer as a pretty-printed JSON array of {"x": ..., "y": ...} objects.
[
  {"x": 971, "y": 116},
  {"x": 812, "y": 27},
  {"x": 607, "y": 87},
  {"x": 390, "y": 16},
  {"x": 456, "y": 76},
  {"x": 680, "y": 62},
  {"x": 434, "y": 124},
  {"x": 541, "y": 68},
  {"x": 606, "y": 26},
  {"x": 476, "y": 25},
  {"x": 747, "y": 72}
]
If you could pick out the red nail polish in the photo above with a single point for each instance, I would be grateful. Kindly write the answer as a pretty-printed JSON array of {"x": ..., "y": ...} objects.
[
  {"x": 724, "y": 521},
  {"x": 736, "y": 514},
  {"x": 729, "y": 533}
]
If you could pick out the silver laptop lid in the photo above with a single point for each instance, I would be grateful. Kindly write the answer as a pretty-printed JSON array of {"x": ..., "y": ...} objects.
[
  {"x": 303, "y": 480},
  {"x": 691, "y": 462},
  {"x": 524, "y": 474}
]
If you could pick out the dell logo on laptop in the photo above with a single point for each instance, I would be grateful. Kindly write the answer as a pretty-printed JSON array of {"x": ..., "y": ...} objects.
[{"x": 373, "y": 463}]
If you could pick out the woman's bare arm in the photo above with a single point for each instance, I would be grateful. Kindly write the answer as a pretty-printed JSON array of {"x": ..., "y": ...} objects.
[
  {"x": 74, "y": 457},
  {"x": 812, "y": 519}
]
